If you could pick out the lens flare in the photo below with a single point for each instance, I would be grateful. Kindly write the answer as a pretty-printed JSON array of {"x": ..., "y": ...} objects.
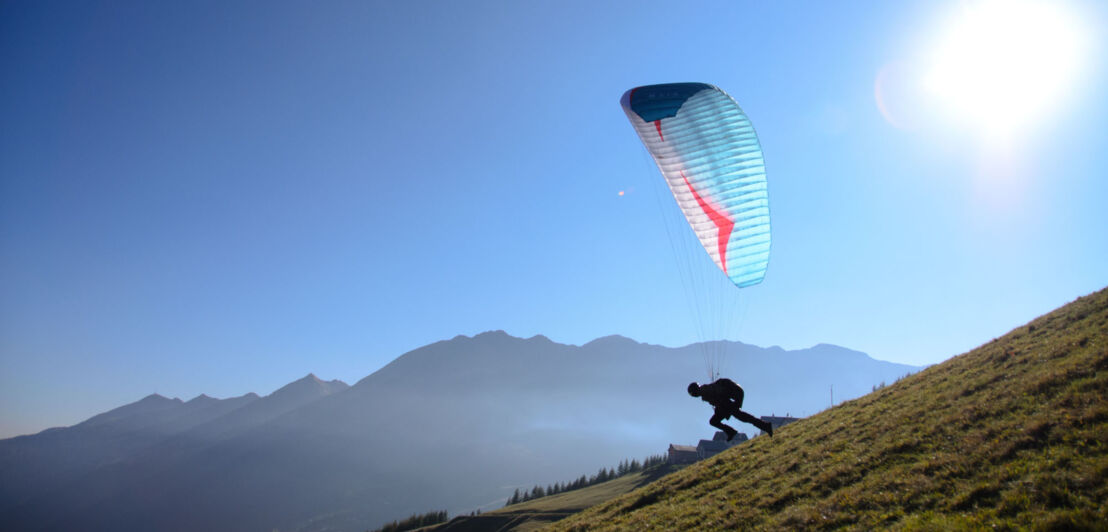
[{"x": 1001, "y": 65}]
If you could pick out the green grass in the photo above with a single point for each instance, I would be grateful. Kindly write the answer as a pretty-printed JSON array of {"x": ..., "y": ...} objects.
[
  {"x": 536, "y": 514},
  {"x": 577, "y": 500},
  {"x": 1012, "y": 435}
]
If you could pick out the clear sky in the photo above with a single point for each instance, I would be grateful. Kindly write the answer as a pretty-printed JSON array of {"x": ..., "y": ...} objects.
[{"x": 220, "y": 197}]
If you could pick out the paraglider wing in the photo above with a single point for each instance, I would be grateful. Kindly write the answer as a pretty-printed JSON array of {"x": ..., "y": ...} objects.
[{"x": 706, "y": 149}]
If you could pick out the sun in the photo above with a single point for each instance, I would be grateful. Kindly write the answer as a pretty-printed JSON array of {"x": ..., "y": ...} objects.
[{"x": 1002, "y": 64}]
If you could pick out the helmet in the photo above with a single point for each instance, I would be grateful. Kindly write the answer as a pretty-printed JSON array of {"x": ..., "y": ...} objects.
[{"x": 694, "y": 389}]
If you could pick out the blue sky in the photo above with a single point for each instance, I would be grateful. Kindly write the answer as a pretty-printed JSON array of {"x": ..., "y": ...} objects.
[{"x": 220, "y": 197}]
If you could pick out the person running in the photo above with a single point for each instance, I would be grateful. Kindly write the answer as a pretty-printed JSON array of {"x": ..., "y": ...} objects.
[{"x": 727, "y": 398}]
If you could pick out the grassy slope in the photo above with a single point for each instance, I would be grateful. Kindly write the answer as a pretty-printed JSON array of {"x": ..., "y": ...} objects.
[
  {"x": 532, "y": 515},
  {"x": 1012, "y": 434}
]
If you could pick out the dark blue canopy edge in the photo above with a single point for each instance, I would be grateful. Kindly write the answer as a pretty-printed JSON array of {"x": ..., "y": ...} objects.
[{"x": 655, "y": 102}]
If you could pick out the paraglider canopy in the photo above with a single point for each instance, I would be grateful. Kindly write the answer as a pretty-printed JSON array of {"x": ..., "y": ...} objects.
[
  {"x": 709, "y": 155},
  {"x": 711, "y": 160}
]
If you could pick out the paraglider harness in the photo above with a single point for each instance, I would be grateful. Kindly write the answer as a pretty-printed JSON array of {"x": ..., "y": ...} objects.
[{"x": 723, "y": 394}]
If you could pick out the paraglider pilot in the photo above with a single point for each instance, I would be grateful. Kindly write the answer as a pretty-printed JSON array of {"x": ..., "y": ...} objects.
[{"x": 727, "y": 397}]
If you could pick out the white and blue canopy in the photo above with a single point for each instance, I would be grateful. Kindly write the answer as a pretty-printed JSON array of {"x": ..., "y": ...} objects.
[{"x": 706, "y": 149}]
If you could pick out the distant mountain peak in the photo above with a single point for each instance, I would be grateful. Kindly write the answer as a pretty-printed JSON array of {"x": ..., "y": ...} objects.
[
  {"x": 499, "y": 333},
  {"x": 149, "y": 405},
  {"x": 610, "y": 340},
  {"x": 312, "y": 385},
  {"x": 202, "y": 398},
  {"x": 838, "y": 349},
  {"x": 155, "y": 398}
]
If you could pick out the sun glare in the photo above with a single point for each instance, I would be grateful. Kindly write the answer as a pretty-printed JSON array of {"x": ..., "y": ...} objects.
[{"x": 1003, "y": 64}]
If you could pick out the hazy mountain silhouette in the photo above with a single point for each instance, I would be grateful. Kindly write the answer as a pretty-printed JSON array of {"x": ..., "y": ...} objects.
[
  {"x": 45, "y": 462},
  {"x": 456, "y": 424}
]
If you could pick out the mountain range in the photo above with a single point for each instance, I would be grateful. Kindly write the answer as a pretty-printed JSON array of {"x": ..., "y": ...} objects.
[{"x": 458, "y": 424}]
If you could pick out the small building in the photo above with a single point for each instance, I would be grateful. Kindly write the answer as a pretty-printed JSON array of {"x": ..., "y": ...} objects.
[
  {"x": 777, "y": 422},
  {"x": 718, "y": 444},
  {"x": 682, "y": 454}
]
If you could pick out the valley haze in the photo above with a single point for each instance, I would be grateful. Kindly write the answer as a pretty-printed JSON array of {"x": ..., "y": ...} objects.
[{"x": 457, "y": 424}]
